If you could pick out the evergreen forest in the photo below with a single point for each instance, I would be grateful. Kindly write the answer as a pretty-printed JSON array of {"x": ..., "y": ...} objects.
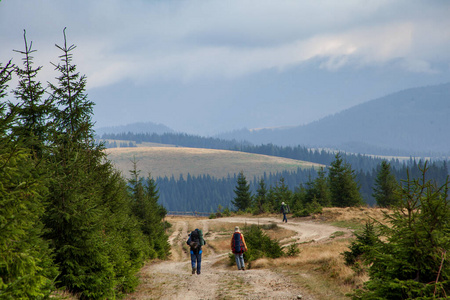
[{"x": 69, "y": 221}]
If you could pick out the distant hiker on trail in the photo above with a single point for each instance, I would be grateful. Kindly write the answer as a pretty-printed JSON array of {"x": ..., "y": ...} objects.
[
  {"x": 238, "y": 247},
  {"x": 195, "y": 242},
  {"x": 284, "y": 210}
]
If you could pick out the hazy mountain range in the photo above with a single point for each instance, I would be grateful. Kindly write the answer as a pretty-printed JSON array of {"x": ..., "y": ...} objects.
[{"x": 410, "y": 122}]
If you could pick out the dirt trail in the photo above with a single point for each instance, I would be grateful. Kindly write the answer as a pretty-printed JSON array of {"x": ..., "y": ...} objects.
[{"x": 173, "y": 279}]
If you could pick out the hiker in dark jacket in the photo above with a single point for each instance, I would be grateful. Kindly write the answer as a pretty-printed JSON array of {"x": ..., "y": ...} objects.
[
  {"x": 238, "y": 247},
  {"x": 195, "y": 242},
  {"x": 284, "y": 210}
]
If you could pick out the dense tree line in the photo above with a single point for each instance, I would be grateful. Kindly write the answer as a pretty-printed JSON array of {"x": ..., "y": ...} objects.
[
  {"x": 69, "y": 220},
  {"x": 205, "y": 193},
  {"x": 178, "y": 139}
]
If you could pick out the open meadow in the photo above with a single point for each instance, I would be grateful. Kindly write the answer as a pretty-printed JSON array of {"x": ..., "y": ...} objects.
[{"x": 165, "y": 161}]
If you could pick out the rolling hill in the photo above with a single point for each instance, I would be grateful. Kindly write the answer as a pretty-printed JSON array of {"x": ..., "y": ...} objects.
[
  {"x": 408, "y": 122},
  {"x": 165, "y": 161}
]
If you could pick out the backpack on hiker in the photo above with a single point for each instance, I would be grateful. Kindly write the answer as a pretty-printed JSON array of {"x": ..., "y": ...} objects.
[
  {"x": 196, "y": 239},
  {"x": 238, "y": 244},
  {"x": 200, "y": 235},
  {"x": 285, "y": 208}
]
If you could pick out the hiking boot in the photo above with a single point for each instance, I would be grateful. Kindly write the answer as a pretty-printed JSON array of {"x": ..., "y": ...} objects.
[
  {"x": 243, "y": 269},
  {"x": 193, "y": 270}
]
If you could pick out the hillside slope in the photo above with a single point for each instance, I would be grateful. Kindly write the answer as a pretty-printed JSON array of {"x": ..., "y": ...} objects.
[
  {"x": 411, "y": 121},
  {"x": 165, "y": 161}
]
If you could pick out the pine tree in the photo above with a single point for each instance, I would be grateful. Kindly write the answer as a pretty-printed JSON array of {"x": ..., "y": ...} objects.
[
  {"x": 149, "y": 213},
  {"x": 98, "y": 245},
  {"x": 261, "y": 196},
  {"x": 385, "y": 187},
  {"x": 344, "y": 190},
  {"x": 413, "y": 261},
  {"x": 33, "y": 111},
  {"x": 74, "y": 116},
  {"x": 318, "y": 189},
  {"x": 155, "y": 220},
  {"x": 26, "y": 267},
  {"x": 298, "y": 199},
  {"x": 243, "y": 197},
  {"x": 282, "y": 194}
]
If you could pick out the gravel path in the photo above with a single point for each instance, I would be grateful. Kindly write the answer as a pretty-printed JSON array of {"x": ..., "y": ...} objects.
[{"x": 172, "y": 279}]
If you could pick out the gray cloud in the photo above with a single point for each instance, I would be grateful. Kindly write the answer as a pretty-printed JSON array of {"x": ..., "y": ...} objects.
[{"x": 185, "y": 42}]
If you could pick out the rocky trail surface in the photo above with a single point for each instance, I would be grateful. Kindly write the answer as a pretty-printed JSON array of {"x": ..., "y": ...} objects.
[{"x": 172, "y": 279}]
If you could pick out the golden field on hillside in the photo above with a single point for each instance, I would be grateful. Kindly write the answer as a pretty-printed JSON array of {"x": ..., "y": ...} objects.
[{"x": 165, "y": 161}]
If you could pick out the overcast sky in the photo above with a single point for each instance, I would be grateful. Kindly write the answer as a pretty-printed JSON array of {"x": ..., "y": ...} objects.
[{"x": 212, "y": 66}]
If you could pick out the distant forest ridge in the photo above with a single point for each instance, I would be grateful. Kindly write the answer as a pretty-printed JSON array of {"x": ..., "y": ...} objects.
[
  {"x": 204, "y": 193},
  {"x": 176, "y": 139},
  {"x": 139, "y": 127}
]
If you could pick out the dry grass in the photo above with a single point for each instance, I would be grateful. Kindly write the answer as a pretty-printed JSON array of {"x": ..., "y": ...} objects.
[
  {"x": 319, "y": 269},
  {"x": 165, "y": 161},
  {"x": 225, "y": 228},
  {"x": 220, "y": 245},
  {"x": 280, "y": 233},
  {"x": 351, "y": 217}
]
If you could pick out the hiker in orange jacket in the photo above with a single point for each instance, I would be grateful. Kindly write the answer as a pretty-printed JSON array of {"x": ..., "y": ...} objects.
[{"x": 238, "y": 247}]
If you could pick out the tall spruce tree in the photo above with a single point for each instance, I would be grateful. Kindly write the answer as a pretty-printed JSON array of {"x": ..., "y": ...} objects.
[
  {"x": 149, "y": 213},
  {"x": 385, "y": 189},
  {"x": 97, "y": 244},
  {"x": 155, "y": 220},
  {"x": 74, "y": 116},
  {"x": 281, "y": 194},
  {"x": 243, "y": 196},
  {"x": 260, "y": 200},
  {"x": 318, "y": 189},
  {"x": 33, "y": 110},
  {"x": 344, "y": 190},
  {"x": 26, "y": 267}
]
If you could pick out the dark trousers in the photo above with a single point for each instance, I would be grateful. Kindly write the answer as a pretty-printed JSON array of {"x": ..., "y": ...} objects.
[
  {"x": 284, "y": 217},
  {"x": 196, "y": 258}
]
